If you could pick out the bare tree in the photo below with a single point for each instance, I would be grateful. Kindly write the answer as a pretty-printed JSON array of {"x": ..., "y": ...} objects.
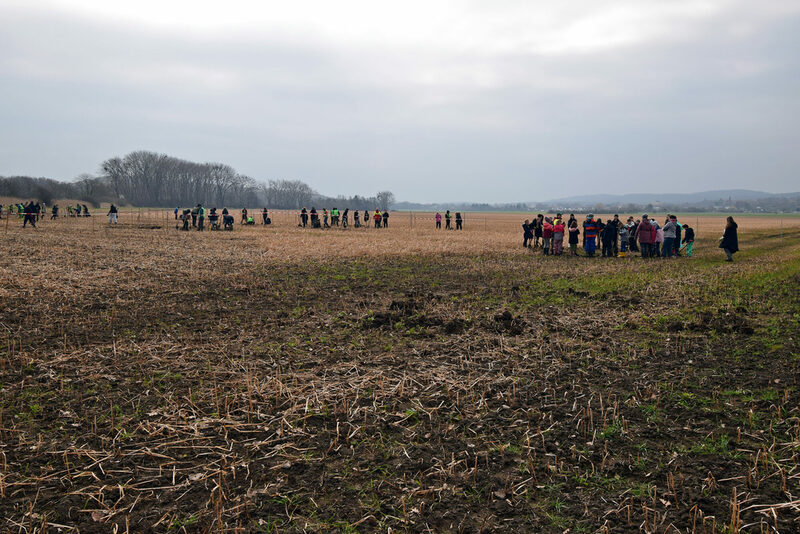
[
  {"x": 150, "y": 179},
  {"x": 385, "y": 199}
]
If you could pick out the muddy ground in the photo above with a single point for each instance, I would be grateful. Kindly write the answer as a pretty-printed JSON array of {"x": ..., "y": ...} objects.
[{"x": 172, "y": 384}]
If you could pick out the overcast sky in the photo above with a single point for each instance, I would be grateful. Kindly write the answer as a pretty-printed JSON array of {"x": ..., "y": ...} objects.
[{"x": 485, "y": 101}]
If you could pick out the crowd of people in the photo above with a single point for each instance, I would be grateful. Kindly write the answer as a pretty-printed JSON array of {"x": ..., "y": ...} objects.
[
  {"x": 195, "y": 218},
  {"x": 334, "y": 217},
  {"x": 307, "y": 218},
  {"x": 380, "y": 219},
  {"x": 216, "y": 220},
  {"x": 31, "y": 212},
  {"x": 615, "y": 238}
]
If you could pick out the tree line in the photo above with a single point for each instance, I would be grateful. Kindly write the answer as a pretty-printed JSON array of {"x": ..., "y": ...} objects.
[{"x": 144, "y": 178}]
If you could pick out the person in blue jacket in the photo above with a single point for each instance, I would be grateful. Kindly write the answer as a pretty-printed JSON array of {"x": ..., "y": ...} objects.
[{"x": 589, "y": 235}]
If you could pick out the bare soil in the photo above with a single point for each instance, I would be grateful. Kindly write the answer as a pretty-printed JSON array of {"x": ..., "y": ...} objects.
[{"x": 285, "y": 380}]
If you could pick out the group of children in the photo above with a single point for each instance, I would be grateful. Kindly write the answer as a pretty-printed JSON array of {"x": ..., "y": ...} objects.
[
  {"x": 614, "y": 238},
  {"x": 334, "y": 218}
]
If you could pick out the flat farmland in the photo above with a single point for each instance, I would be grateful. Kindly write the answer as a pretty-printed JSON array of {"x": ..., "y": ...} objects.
[{"x": 407, "y": 379}]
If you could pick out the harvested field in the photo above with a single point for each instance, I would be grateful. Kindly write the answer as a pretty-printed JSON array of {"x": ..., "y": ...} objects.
[{"x": 404, "y": 379}]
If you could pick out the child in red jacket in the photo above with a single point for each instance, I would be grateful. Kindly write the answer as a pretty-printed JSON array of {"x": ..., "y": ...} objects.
[
  {"x": 547, "y": 235},
  {"x": 558, "y": 237}
]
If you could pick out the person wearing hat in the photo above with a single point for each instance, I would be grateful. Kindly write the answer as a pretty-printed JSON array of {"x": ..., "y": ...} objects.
[
  {"x": 589, "y": 235},
  {"x": 624, "y": 235},
  {"x": 558, "y": 236},
  {"x": 632, "y": 234}
]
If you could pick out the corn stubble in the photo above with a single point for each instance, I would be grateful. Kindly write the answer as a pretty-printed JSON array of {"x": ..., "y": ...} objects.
[{"x": 403, "y": 379}]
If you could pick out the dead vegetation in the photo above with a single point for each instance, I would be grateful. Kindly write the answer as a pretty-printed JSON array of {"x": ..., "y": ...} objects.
[{"x": 280, "y": 380}]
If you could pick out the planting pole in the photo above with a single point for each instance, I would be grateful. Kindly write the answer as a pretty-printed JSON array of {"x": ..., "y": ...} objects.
[
  {"x": 781, "y": 229},
  {"x": 410, "y": 220}
]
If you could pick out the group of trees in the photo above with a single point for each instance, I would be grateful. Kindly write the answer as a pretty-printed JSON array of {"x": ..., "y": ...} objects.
[
  {"x": 145, "y": 178},
  {"x": 87, "y": 189},
  {"x": 149, "y": 179},
  {"x": 294, "y": 194}
]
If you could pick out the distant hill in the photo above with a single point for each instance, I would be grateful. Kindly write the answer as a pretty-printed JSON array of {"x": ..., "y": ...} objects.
[
  {"x": 720, "y": 201},
  {"x": 670, "y": 198}
]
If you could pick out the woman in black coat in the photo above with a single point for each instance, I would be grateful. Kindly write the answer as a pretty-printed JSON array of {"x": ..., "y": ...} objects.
[
  {"x": 536, "y": 226},
  {"x": 527, "y": 233},
  {"x": 730, "y": 239}
]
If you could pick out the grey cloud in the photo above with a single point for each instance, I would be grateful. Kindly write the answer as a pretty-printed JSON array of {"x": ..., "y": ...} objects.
[{"x": 712, "y": 107}]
